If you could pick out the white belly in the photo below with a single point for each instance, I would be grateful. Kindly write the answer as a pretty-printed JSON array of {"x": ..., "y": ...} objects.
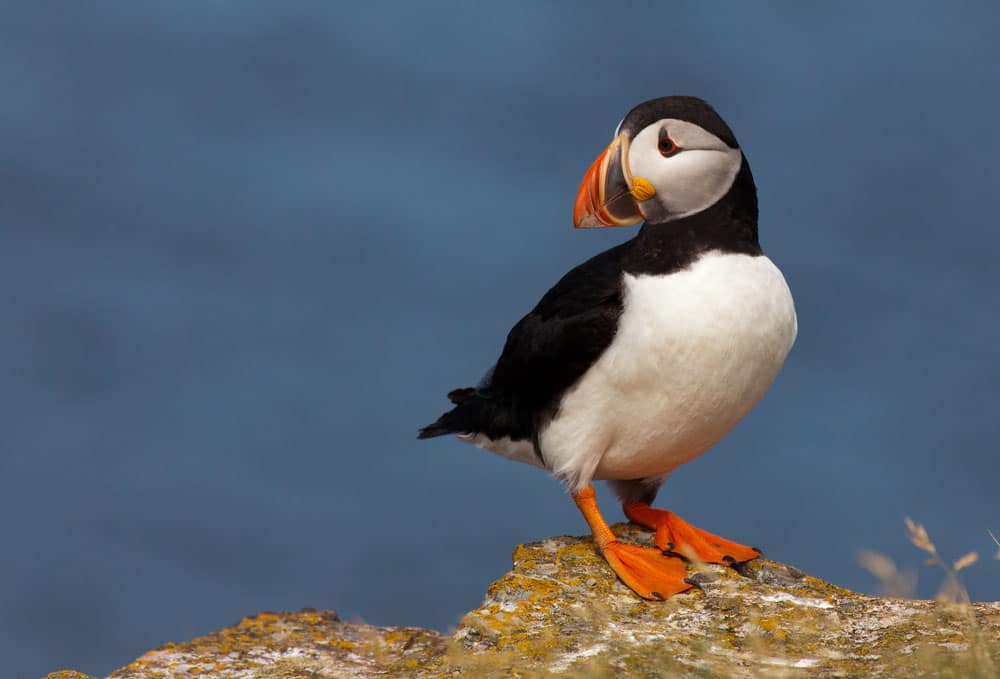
[{"x": 695, "y": 350}]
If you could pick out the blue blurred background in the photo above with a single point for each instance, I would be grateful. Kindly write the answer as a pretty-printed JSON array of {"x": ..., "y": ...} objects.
[{"x": 247, "y": 249}]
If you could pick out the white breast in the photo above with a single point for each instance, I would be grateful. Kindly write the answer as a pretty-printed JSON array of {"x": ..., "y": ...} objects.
[{"x": 694, "y": 351}]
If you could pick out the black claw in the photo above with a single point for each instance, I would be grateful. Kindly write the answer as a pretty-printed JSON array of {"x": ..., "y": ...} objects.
[
  {"x": 743, "y": 569},
  {"x": 728, "y": 560},
  {"x": 658, "y": 596},
  {"x": 693, "y": 583},
  {"x": 669, "y": 551},
  {"x": 759, "y": 552}
]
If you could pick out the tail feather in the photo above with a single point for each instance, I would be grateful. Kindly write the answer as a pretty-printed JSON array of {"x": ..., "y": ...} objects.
[
  {"x": 452, "y": 422},
  {"x": 457, "y": 396},
  {"x": 436, "y": 429},
  {"x": 477, "y": 413},
  {"x": 458, "y": 420}
]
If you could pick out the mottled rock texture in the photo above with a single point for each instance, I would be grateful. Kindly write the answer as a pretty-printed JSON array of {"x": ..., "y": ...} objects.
[{"x": 561, "y": 611}]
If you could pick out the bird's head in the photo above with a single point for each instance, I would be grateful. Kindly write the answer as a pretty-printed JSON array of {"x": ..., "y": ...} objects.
[{"x": 671, "y": 157}]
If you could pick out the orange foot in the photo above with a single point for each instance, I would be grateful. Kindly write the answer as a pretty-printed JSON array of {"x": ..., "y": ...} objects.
[
  {"x": 674, "y": 535},
  {"x": 648, "y": 572}
]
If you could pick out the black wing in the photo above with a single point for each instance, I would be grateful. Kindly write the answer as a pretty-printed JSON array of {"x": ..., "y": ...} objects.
[
  {"x": 546, "y": 352},
  {"x": 554, "y": 345}
]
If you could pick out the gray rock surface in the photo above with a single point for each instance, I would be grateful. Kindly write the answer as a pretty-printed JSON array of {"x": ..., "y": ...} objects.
[{"x": 561, "y": 611}]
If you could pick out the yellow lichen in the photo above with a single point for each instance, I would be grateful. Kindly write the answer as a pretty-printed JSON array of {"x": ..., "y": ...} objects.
[{"x": 561, "y": 608}]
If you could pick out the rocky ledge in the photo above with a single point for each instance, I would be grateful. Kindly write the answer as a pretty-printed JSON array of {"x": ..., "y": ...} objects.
[{"x": 561, "y": 611}]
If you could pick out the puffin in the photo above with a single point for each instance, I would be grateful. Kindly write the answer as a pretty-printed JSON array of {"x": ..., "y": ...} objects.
[{"x": 646, "y": 355}]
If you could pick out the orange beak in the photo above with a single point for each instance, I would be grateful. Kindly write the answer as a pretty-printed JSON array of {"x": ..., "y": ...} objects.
[{"x": 604, "y": 198}]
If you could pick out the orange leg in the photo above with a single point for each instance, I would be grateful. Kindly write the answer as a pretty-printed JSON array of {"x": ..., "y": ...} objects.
[
  {"x": 674, "y": 535},
  {"x": 648, "y": 572}
]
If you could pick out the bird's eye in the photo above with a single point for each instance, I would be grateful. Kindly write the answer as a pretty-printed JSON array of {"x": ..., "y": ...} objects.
[{"x": 666, "y": 145}]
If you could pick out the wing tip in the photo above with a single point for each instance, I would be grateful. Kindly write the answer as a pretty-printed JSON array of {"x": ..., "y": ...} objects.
[{"x": 432, "y": 430}]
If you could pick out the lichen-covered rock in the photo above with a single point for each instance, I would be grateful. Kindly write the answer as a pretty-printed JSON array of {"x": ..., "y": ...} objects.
[
  {"x": 313, "y": 644},
  {"x": 561, "y": 610}
]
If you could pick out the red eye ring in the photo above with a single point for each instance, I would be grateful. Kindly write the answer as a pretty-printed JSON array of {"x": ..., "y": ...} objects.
[{"x": 667, "y": 146}]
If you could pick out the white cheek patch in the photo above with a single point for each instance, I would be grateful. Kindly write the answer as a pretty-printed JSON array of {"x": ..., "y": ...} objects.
[
  {"x": 689, "y": 181},
  {"x": 692, "y": 180}
]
